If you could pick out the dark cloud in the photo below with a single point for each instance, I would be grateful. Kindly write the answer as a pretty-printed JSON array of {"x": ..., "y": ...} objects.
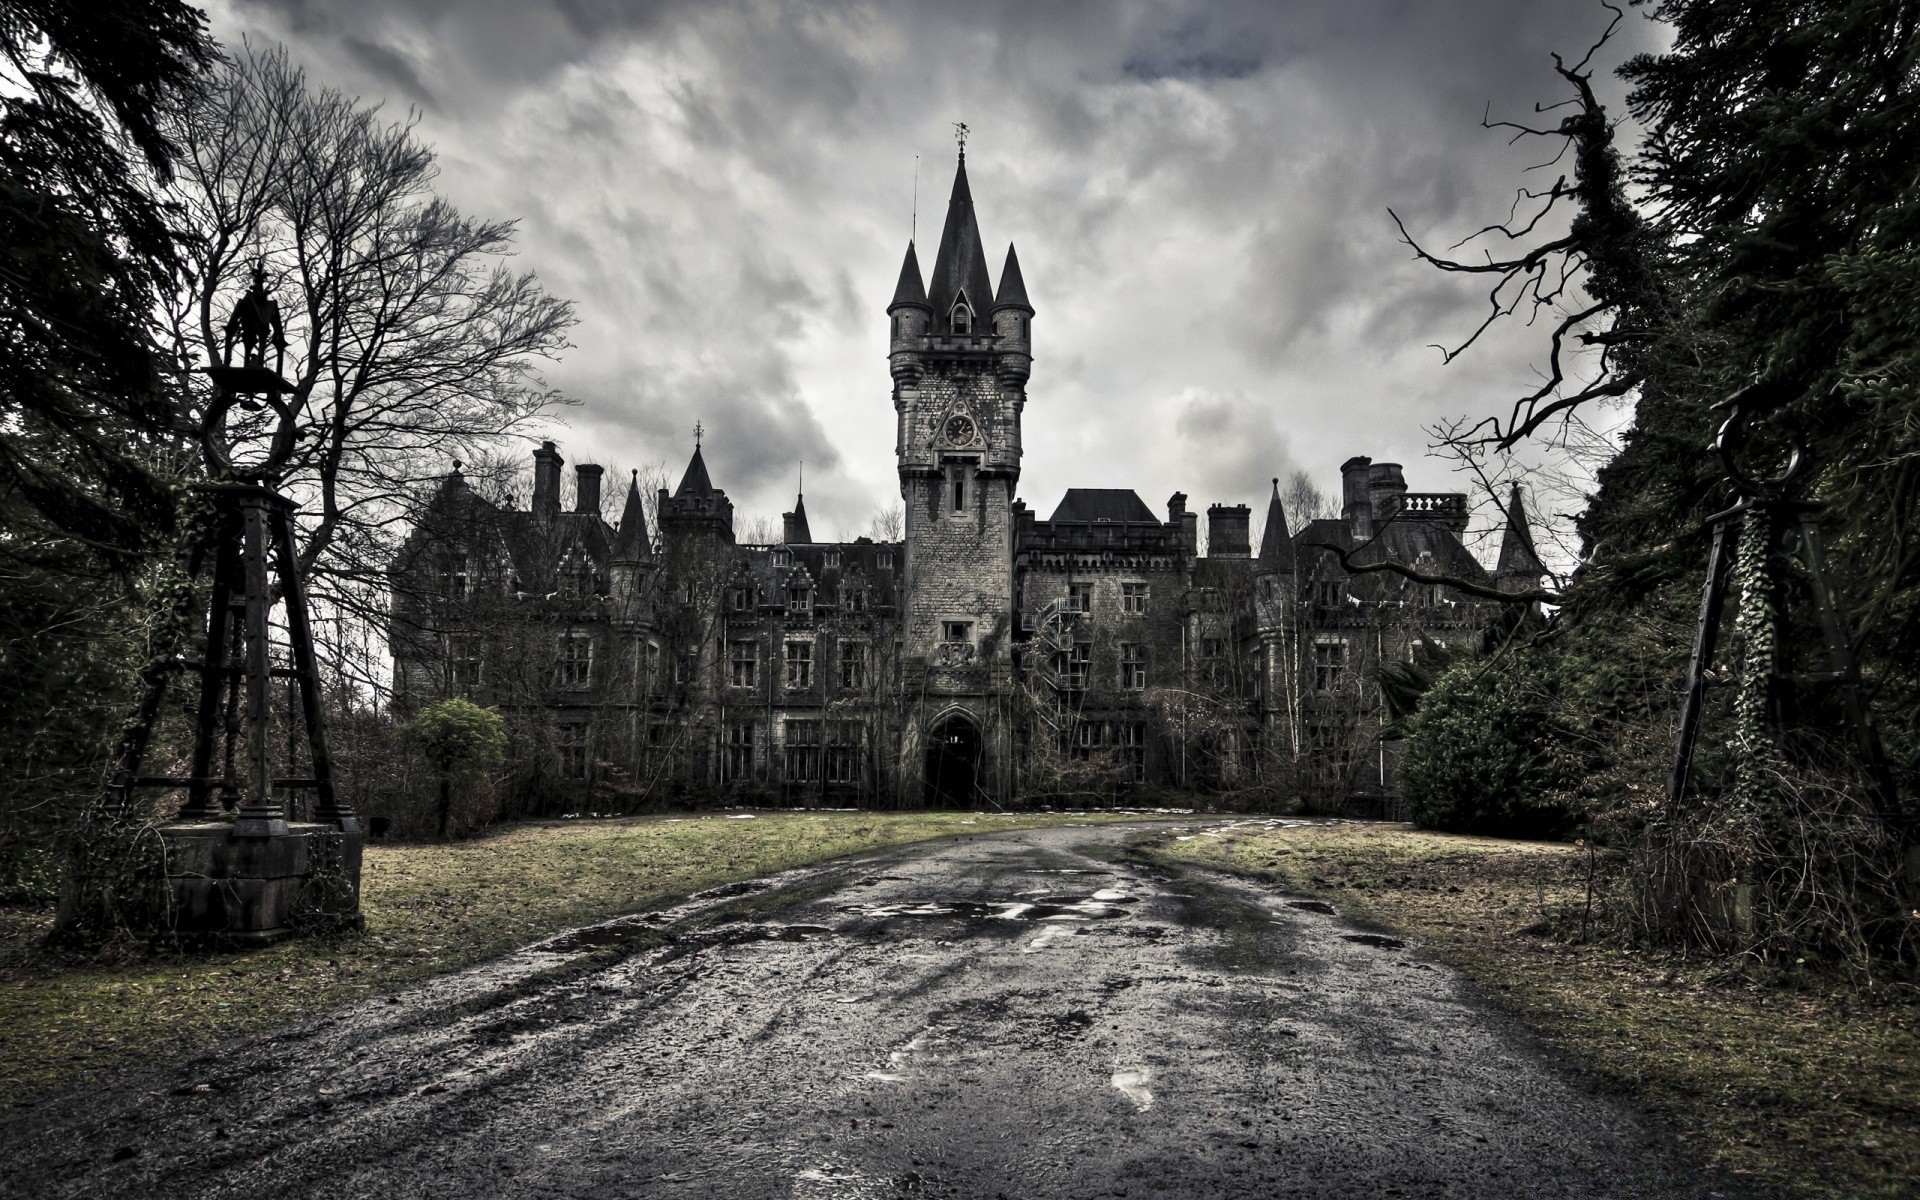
[{"x": 1199, "y": 190}]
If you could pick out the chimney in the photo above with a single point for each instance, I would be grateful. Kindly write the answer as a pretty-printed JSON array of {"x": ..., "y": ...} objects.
[
  {"x": 1187, "y": 523},
  {"x": 546, "y": 479},
  {"x": 586, "y": 488},
  {"x": 1227, "y": 531},
  {"x": 1385, "y": 486},
  {"x": 1356, "y": 499}
]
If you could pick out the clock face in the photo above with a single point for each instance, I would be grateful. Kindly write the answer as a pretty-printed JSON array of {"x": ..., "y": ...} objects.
[{"x": 959, "y": 430}]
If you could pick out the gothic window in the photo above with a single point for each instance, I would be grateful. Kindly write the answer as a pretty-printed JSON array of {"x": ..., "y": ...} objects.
[
  {"x": 740, "y": 736},
  {"x": 803, "y": 752},
  {"x": 1329, "y": 662},
  {"x": 1080, "y": 597},
  {"x": 571, "y": 743},
  {"x": 1133, "y": 666},
  {"x": 956, "y": 631},
  {"x": 576, "y": 660},
  {"x": 853, "y": 665},
  {"x": 1133, "y": 598},
  {"x": 576, "y": 578},
  {"x": 463, "y": 663},
  {"x": 962, "y": 315},
  {"x": 1132, "y": 739},
  {"x": 843, "y": 751},
  {"x": 799, "y": 665},
  {"x": 746, "y": 660}
]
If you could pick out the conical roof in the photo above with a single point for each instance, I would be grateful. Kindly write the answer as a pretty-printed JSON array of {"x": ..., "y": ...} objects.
[
  {"x": 1276, "y": 544},
  {"x": 1517, "y": 556},
  {"x": 909, "y": 290},
  {"x": 961, "y": 264},
  {"x": 1013, "y": 289},
  {"x": 797, "y": 531},
  {"x": 630, "y": 541},
  {"x": 695, "y": 482}
]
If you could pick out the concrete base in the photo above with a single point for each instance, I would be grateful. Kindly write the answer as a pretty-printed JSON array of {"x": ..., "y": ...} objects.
[{"x": 226, "y": 886}]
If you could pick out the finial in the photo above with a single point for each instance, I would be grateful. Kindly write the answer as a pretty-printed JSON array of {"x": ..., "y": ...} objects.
[
  {"x": 803, "y": 477},
  {"x": 698, "y": 429},
  {"x": 960, "y": 132},
  {"x": 636, "y": 474},
  {"x": 456, "y": 466}
]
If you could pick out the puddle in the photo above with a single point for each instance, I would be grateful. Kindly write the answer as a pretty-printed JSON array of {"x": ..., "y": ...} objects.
[
  {"x": 1315, "y": 906},
  {"x": 1133, "y": 1085},
  {"x": 1044, "y": 907},
  {"x": 1375, "y": 939}
]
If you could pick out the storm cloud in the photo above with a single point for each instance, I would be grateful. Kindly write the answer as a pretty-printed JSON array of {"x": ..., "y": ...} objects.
[{"x": 1199, "y": 193}]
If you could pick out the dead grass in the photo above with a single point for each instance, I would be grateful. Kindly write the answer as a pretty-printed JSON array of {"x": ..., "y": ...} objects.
[
  {"x": 1811, "y": 1086},
  {"x": 65, "y": 1019}
]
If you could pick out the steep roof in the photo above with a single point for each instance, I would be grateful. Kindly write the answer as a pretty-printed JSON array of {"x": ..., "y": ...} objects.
[
  {"x": 961, "y": 264},
  {"x": 800, "y": 532},
  {"x": 631, "y": 543},
  {"x": 909, "y": 290},
  {"x": 1103, "y": 504},
  {"x": 1013, "y": 288},
  {"x": 695, "y": 482},
  {"x": 1517, "y": 556},
  {"x": 1276, "y": 544}
]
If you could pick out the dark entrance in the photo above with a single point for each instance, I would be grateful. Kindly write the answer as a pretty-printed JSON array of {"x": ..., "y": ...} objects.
[{"x": 953, "y": 762}]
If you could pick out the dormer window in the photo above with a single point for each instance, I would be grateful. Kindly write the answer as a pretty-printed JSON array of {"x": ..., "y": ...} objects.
[
  {"x": 783, "y": 558},
  {"x": 961, "y": 318},
  {"x": 833, "y": 560},
  {"x": 800, "y": 598}
]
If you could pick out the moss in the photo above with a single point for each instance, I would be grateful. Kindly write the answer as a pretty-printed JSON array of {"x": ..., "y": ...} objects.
[
  {"x": 67, "y": 1018},
  {"x": 1808, "y": 1085}
]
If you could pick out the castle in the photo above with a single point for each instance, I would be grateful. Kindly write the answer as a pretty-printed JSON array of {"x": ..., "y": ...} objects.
[{"x": 989, "y": 657}]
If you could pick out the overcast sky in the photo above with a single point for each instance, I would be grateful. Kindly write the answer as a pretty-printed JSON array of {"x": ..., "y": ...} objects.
[{"x": 1199, "y": 193}]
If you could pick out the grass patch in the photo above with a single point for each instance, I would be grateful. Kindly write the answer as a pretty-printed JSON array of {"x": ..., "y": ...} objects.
[
  {"x": 1812, "y": 1087},
  {"x": 67, "y": 1019}
]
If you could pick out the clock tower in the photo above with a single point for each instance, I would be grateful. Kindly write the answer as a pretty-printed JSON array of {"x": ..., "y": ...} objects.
[{"x": 959, "y": 354}]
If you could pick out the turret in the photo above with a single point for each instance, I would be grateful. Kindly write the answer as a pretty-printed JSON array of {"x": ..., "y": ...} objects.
[
  {"x": 696, "y": 507},
  {"x": 631, "y": 560},
  {"x": 794, "y": 529},
  {"x": 910, "y": 314},
  {"x": 1276, "y": 543},
  {"x": 1519, "y": 568}
]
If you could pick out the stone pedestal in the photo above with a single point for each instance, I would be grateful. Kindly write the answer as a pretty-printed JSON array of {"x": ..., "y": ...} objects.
[{"x": 228, "y": 884}]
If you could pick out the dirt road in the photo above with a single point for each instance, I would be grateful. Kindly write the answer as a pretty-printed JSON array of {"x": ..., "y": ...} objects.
[{"x": 1025, "y": 1015}]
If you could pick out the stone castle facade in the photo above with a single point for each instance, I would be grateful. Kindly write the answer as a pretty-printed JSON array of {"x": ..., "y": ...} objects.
[{"x": 989, "y": 657}]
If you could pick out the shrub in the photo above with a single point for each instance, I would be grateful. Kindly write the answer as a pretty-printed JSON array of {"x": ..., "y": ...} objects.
[
  {"x": 1479, "y": 755},
  {"x": 463, "y": 742}
]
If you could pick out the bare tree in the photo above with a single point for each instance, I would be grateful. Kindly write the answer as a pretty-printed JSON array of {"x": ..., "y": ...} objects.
[
  {"x": 410, "y": 341},
  {"x": 889, "y": 523}
]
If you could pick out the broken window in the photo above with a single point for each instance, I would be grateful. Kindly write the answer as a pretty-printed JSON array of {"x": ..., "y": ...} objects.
[
  {"x": 576, "y": 661},
  {"x": 739, "y": 761},
  {"x": 956, "y": 631},
  {"x": 572, "y": 747},
  {"x": 1329, "y": 662},
  {"x": 1133, "y": 666},
  {"x": 746, "y": 662},
  {"x": 1080, "y": 597},
  {"x": 802, "y": 752},
  {"x": 799, "y": 664},
  {"x": 853, "y": 665},
  {"x": 1133, "y": 598}
]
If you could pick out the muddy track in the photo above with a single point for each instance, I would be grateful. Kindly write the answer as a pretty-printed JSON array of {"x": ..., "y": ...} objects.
[{"x": 1028, "y": 1014}]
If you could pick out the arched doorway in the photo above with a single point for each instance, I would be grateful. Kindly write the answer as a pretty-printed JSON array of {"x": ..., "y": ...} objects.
[{"x": 953, "y": 762}]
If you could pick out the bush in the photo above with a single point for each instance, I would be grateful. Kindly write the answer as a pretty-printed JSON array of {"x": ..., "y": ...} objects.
[
  {"x": 1479, "y": 752},
  {"x": 464, "y": 743}
]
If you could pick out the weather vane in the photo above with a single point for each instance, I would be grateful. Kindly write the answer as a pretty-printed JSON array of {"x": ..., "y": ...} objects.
[
  {"x": 960, "y": 132},
  {"x": 698, "y": 429}
]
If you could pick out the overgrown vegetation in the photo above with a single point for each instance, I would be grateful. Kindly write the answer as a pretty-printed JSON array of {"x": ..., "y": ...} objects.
[
  {"x": 1791, "y": 1077},
  {"x": 1773, "y": 236}
]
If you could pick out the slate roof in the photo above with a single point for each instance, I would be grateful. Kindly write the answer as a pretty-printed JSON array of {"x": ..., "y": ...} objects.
[
  {"x": 909, "y": 290},
  {"x": 1120, "y": 505},
  {"x": 1517, "y": 556},
  {"x": 961, "y": 264},
  {"x": 630, "y": 543},
  {"x": 696, "y": 481},
  {"x": 1276, "y": 544},
  {"x": 1403, "y": 542},
  {"x": 1013, "y": 288}
]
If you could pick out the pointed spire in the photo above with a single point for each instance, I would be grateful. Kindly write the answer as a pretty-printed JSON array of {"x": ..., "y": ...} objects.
[
  {"x": 910, "y": 290},
  {"x": 1013, "y": 289},
  {"x": 1276, "y": 544},
  {"x": 630, "y": 541},
  {"x": 1517, "y": 557},
  {"x": 695, "y": 482},
  {"x": 960, "y": 266},
  {"x": 796, "y": 531}
]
